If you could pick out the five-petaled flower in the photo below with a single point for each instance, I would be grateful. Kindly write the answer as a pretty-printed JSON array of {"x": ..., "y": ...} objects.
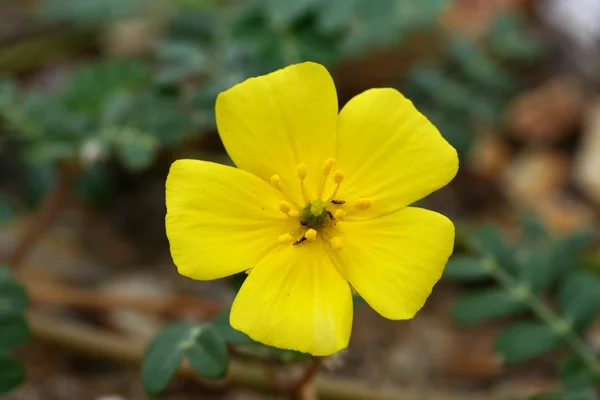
[{"x": 318, "y": 207}]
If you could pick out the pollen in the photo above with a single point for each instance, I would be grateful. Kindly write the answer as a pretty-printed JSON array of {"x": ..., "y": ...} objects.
[
  {"x": 328, "y": 166},
  {"x": 285, "y": 238},
  {"x": 285, "y": 207},
  {"x": 363, "y": 204},
  {"x": 276, "y": 182},
  {"x": 338, "y": 176},
  {"x": 339, "y": 214},
  {"x": 302, "y": 171},
  {"x": 310, "y": 234},
  {"x": 336, "y": 243}
]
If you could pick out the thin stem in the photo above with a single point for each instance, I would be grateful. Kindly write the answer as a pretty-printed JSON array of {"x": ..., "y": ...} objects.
[
  {"x": 298, "y": 387},
  {"x": 52, "y": 204},
  {"x": 546, "y": 314}
]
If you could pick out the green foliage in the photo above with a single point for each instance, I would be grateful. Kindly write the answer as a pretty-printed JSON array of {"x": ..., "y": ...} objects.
[
  {"x": 206, "y": 348},
  {"x": 13, "y": 330},
  {"x": 201, "y": 344},
  {"x": 540, "y": 266}
]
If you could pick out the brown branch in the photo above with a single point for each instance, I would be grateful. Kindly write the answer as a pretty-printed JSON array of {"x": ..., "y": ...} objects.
[
  {"x": 49, "y": 208},
  {"x": 298, "y": 388},
  {"x": 102, "y": 345},
  {"x": 56, "y": 294}
]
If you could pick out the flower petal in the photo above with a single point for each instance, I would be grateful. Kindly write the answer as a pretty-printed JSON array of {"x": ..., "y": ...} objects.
[
  {"x": 296, "y": 299},
  {"x": 390, "y": 152},
  {"x": 220, "y": 220},
  {"x": 272, "y": 123},
  {"x": 394, "y": 261}
]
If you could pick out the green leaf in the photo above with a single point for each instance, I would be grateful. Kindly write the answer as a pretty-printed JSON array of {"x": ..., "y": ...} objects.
[
  {"x": 526, "y": 340},
  {"x": 285, "y": 13},
  {"x": 579, "y": 299},
  {"x": 465, "y": 268},
  {"x": 13, "y": 299},
  {"x": 12, "y": 373},
  {"x": 537, "y": 269},
  {"x": 335, "y": 14},
  {"x": 230, "y": 335},
  {"x": 490, "y": 243},
  {"x": 575, "y": 374},
  {"x": 164, "y": 355},
  {"x": 485, "y": 305},
  {"x": 202, "y": 344},
  {"x": 7, "y": 212},
  {"x": 13, "y": 332},
  {"x": 208, "y": 352}
]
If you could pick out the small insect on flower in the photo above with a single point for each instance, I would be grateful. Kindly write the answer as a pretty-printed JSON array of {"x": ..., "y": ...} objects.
[{"x": 318, "y": 207}]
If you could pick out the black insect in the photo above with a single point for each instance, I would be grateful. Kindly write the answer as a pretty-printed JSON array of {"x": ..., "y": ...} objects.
[
  {"x": 303, "y": 223},
  {"x": 297, "y": 242},
  {"x": 330, "y": 215},
  {"x": 338, "y": 202}
]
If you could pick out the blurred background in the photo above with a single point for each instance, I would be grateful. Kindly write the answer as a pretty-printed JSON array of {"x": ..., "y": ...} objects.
[{"x": 97, "y": 98}]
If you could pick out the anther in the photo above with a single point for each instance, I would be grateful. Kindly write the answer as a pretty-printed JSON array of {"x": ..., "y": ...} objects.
[
  {"x": 285, "y": 238},
  {"x": 285, "y": 207},
  {"x": 363, "y": 204},
  {"x": 302, "y": 171},
  {"x": 310, "y": 234},
  {"x": 339, "y": 214},
  {"x": 328, "y": 166},
  {"x": 336, "y": 243},
  {"x": 276, "y": 182},
  {"x": 294, "y": 213},
  {"x": 338, "y": 176}
]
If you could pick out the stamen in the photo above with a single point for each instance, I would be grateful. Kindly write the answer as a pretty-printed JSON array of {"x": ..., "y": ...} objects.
[
  {"x": 302, "y": 171},
  {"x": 339, "y": 214},
  {"x": 338, "y": 177},
  {"x": 276, "y": 182},
  {"x": 336, "y": 243},
  {"x": 285, "y": 238},
  {"x": 327, "y": 167},
  {"x": 294, "y": 213},
  {"x": 310, "y": 234},
  {"x": 363, "y": 204},
  {"x": 285, "y": 207}
]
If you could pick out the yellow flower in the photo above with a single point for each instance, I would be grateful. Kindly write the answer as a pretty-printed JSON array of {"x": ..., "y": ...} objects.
[{"x": 318, "y": 206}]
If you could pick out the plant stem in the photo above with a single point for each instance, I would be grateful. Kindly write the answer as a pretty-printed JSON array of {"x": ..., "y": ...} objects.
[
  {"x": 52, "y": 204},
  {"x": 298, "y": 387},
  {"x": 102, "y": 345},
  {"x": 547, "y": 315}
]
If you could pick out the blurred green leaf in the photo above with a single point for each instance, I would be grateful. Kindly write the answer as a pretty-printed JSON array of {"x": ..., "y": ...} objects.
[
  {"x": 202, "y": 344},
  {"x": 465, "y": 268},
  {"x": 284, "y": 13},
  {"x": 7, "y": 212},
  {"x": 230, "y": 335},
  {"x": 579, "y": 299},
  {"x": 13, "y": 332},
  {"x": 490, "y": 243},
  {"x": 13, "y": 299},
  {"x": 86, "y": 13},
  {"x": 526, "y": 340},
  {"x": 164, "y": 355},
  {"x": 537, "y": 269},
  {"x": 575, "y": 374},
  {"x": 484, "y": 305},
  {"x": 335, "y": 14},
  {"x": 208, "y": 354},
  {"x": 12, "y": 373}
]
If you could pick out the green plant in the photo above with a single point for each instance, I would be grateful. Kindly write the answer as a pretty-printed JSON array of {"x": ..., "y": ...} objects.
[{"x": 526, "y": 274}]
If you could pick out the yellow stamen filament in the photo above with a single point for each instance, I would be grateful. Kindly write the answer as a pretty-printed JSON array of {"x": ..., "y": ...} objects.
[
  {"x": 363, "y": 204},
  {"x": 338, "y": 177},
  {"x": 285, "y": 238},
  {"x": 302, "y": 171},
  {"x": 327, "y": 167},
  {"x": 339, "y": 214},
  {"x": 336, "y": 243},
  {"x": 285, "y": 207},
  {"x": 310, "y": 234},
  {"x": 276, "y": 182}
]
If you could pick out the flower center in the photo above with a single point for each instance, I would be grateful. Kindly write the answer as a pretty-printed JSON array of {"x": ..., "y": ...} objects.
[{"x": 318, "y": 217}]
